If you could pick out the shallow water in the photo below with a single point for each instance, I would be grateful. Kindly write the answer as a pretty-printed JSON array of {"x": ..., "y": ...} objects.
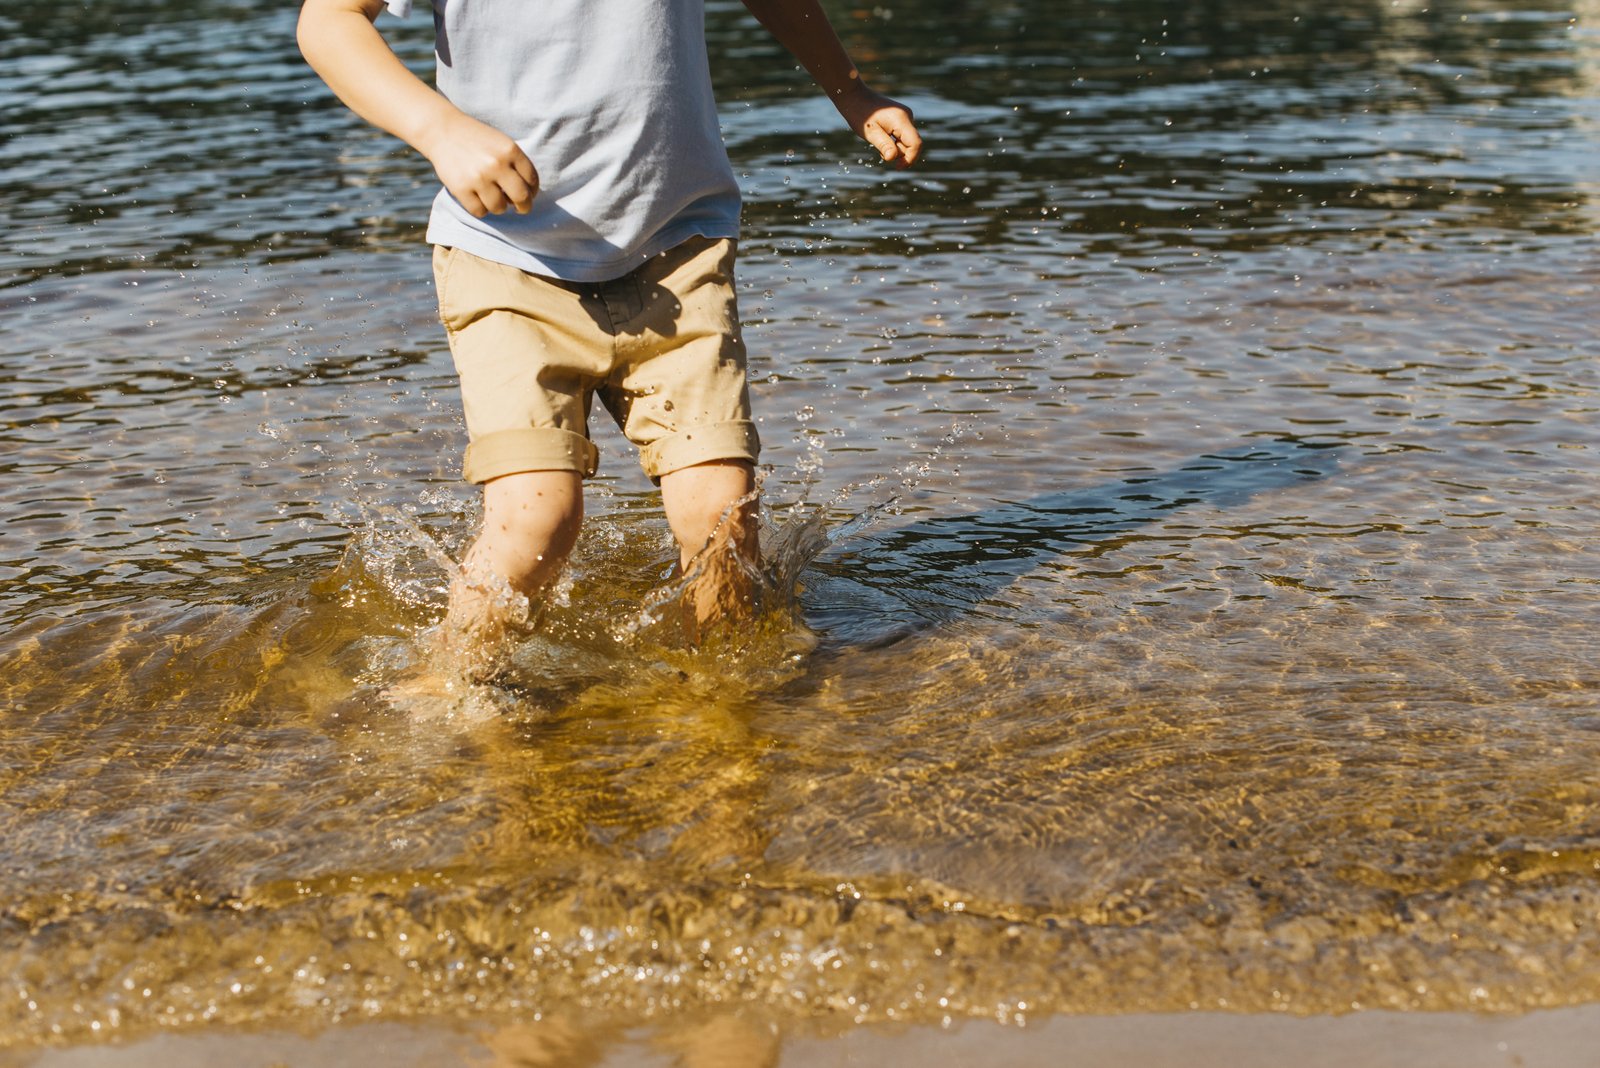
[{"x": 1228, "y": 644}]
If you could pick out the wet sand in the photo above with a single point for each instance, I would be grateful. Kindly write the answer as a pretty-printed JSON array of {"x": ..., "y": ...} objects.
[
  {"x": 1553, "y": 1038},
  {"x": 1210, "y": 630}
]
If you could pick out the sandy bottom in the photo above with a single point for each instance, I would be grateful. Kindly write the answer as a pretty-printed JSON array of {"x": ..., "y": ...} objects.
[{"x": 1557, "y": 1038}]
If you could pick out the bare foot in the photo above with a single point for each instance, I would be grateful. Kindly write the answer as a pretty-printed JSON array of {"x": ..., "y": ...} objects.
[
  {"x": 457, "y": 661},
  {"x": 430, "y": 695}
]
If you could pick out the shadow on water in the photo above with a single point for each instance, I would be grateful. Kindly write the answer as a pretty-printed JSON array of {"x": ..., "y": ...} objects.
[{"x": 901, "y": 582}]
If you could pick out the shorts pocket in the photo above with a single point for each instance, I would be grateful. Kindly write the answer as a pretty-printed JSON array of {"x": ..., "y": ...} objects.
[{"x": 444, "y": 261}]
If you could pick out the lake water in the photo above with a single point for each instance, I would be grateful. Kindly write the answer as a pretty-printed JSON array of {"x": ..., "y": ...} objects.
[{"x": 1201, "y": 451}]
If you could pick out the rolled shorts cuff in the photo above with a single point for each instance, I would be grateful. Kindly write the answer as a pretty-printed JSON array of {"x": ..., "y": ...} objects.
[
  {"x": 509, "y": 452},
  {"x": 733, "y": 440}
]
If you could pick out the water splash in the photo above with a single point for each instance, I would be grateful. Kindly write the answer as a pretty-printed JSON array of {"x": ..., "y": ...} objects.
[{"x": 620, "y": 610}]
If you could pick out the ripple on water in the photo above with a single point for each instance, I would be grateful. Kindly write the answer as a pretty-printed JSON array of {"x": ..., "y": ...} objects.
[{"x": 1298, "y": 806}]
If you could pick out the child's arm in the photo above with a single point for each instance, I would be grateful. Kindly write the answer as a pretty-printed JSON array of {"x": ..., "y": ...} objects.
[
  {"x": 481, "y": 167},
  {"x": 802, "y": 28}
]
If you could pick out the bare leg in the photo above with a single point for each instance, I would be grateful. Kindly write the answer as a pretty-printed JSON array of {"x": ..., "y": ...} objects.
[
  {"x": 530, "y": 523},
  {"x": 696, "y": 499}
]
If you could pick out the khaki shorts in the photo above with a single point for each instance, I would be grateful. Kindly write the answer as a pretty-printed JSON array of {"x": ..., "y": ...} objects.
[{"x": 660, "y": 345}]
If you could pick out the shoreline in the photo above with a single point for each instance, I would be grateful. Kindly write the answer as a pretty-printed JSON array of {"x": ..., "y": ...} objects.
[{"x": 1545, "y": 1038}]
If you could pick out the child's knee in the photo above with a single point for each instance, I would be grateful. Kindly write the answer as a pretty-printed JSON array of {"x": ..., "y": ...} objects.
[
  {"x": 537, "y": 524},
  {"x": 536, "y": 506}
]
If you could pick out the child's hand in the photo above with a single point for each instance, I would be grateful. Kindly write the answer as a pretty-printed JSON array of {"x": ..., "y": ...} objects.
[
  {"x": 883, "y": 123},
  {"x": 485, "y": 170}
]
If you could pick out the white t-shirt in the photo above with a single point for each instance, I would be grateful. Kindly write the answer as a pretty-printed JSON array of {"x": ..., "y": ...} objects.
[{"x": 611, "y": 100}]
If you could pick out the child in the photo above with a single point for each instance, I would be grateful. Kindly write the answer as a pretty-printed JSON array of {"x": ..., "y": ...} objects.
[{"x": 583, "y": 243}]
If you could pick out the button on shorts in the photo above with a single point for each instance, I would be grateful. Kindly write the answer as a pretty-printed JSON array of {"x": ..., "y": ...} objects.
[{"x": 660, "y": 346}]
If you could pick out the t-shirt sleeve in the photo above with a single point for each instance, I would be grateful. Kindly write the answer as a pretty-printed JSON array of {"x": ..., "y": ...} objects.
[{"x": 399, "y": 8}]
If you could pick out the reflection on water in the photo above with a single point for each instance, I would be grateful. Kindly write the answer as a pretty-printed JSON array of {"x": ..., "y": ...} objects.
[{"x": 1228, "y": 644}]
